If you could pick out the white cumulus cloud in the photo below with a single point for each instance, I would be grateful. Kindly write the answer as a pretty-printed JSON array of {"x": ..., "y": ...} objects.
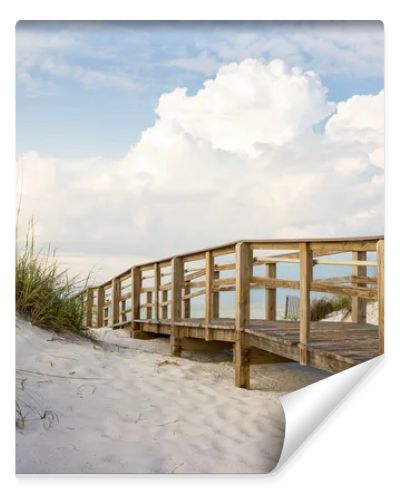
[
  {"x": 247, "y": 104},
  {"x": 239, "y": 159}
]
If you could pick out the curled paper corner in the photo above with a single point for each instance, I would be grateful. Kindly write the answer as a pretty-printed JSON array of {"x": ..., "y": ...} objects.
[{"x": 305, "y": 409}]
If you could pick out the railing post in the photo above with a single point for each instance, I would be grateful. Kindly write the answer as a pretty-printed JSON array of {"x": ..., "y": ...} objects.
[
  {"x": 244, "y": 266},
  {"x": 89, "y": 307},
  {"x": 100, "y": 306},
  {"x": 186, "y": 302},
  {"x": 270, "y": 294},
  {"x": 209, "y": 312},
  {"x": 305, "y": 283},
  {"x": 115, "y": 296},
  {"x": 156, "y": 291},
  {"x": 164, "y": 309},
  {"x": 215, "y": 299},
  {"x": 135, "y": 297},
  {"x": 176, "y": 310},
  {"x": 358, "y": 305},
  {"x": 122, "y": 313},
  {"x": 149, "y": 300},
  {"x": 381, "y": 292}
]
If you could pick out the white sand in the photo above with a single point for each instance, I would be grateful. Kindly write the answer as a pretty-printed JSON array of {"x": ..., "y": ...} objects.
[
  {"x": 343, "y": 315},
  {"x": 119, "y": 405}
]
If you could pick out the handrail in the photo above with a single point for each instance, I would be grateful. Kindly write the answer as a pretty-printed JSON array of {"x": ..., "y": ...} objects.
[{"x": 232, "y": 245}]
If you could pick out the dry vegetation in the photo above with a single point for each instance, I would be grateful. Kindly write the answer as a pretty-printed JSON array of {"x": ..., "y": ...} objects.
[
  {"x": 321, "y": 308},
  {"x": 43, "y": 293}
]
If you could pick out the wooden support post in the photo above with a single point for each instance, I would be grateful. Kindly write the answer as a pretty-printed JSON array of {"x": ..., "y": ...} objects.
[
  {"x": 176, "y": 312},
  {"x": 186, "y": 302},
  {"x": 149, "y": 299},
  {"x": 215, "y": 306},
  {"x": 381, "y": 293},
  {"x": 209, "y": 306},
  {"x": 164, "y": 309},
  {"x": 115, "y": 297},
  {"x": 106, "y": 316},
  {"x": 359, "y": 305},
  {"x": 89, "y": 308},
  {"x": 100, "y": 306},
  {"x": 270, "y": 294},
  {"x": 156, "y": 291},
  {"x": 244, "y": 262},
  {"x": 122, "y": 313},
  {"x": 135, "y": 297},
  {"x": 305, "y": 284}
]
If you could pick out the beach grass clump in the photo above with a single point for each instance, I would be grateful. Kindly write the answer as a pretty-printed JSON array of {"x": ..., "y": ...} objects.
[
  {"x": 321, "y": 308},
  {"x": 341, "y": 302},
  {"x": 43, "y": 293}
]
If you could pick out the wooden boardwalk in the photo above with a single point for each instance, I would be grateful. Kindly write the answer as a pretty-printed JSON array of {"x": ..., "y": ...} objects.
[{"x": 156, "y": 299}]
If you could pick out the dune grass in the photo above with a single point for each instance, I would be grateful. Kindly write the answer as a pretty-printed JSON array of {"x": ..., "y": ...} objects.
[
  {"x": 44, "y": 293},
  {"x": 321, "y": 308}
]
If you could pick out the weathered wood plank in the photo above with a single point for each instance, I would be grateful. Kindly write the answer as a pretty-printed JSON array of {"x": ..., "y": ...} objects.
[
  {"x": 348, "y": 279},
  {"x": 359, "y": 305},
  {"x": 195, "y": 274},
  {"x": 222, "y": 282},
  {"x": 349, "y": 245},
  {"x": 260, "y": 282},
  {"x": 100, "y": 306},
  {"x": 275, "y": 260},
  {"x": 135, "y": 284},
  {"x": 217, "y": 289},
  {"x": 176, "y": 309},
  {"x": 225, "y": 267},
  {"x": 193, "y": 257},
  {"x": 209, "y": 270},
  {"x": 149, "y": 305},
  {"x": 353, "y": 263},
  {"x": 215, "y": 299},
  {"x": 193, "y": 284},
  {"x": 188, "y": 296},
  {"x": 270, "y": 293},
  {"x": 165, "y": 287},
  {"x": 186, "y": 307},
  {"x": 305, "y": 286},
  {"x": 352, "y": 291},
  {"x": 244, "y": 261},
  {"x": 115, "y": 299},
  {"x": 274, "y": 245}
]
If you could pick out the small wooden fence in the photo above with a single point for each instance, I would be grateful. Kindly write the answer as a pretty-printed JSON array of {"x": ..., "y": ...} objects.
[{"x": 162, "y": 292}]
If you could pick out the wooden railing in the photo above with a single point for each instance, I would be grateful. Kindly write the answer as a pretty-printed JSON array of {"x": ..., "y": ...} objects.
[{"x": 163, "y": 291}]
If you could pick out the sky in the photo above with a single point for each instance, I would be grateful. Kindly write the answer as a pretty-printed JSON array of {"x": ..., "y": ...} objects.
[{"x": 138, "y": 140}]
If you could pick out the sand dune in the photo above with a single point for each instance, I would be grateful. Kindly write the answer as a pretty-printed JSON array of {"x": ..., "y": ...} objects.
[{"x": 119, "y": 405}]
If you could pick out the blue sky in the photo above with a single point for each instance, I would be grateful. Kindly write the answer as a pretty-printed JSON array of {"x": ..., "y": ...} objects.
[
  {"x": 279, "y": 133},
  {"x": 89, "y": 89}
]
